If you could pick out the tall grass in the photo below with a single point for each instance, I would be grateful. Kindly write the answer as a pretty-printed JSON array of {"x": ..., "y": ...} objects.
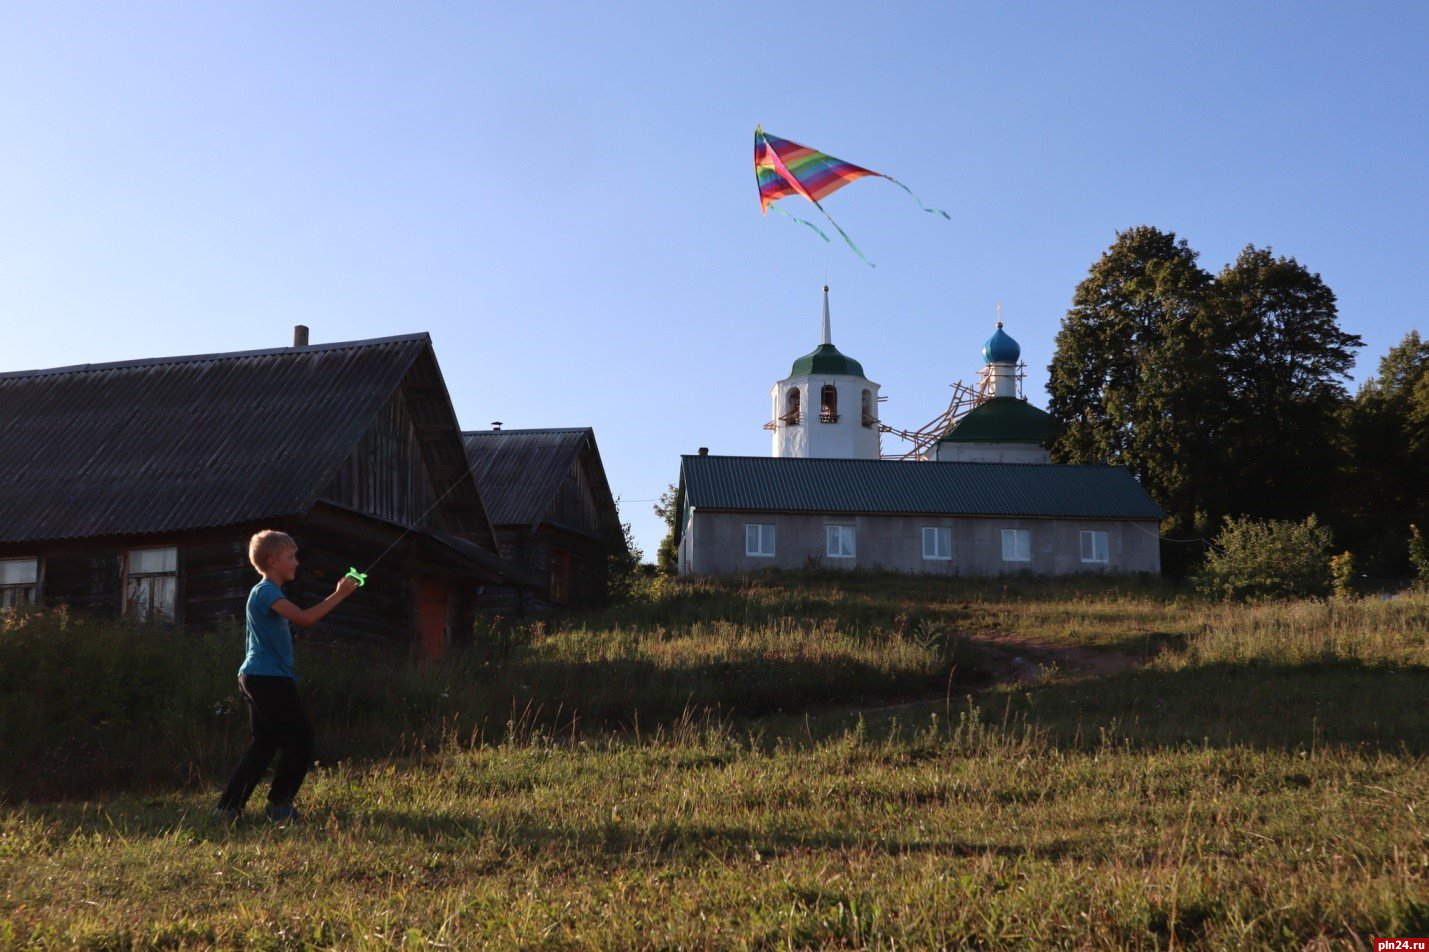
[
  {"x": 628, "y": 780},
  {"x": 89, "y": 705}
]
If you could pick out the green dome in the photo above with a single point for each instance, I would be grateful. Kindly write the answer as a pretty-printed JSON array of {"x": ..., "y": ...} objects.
[
  {"x": 1003, "y": 420},
  {"x": 826, "y": 359}
]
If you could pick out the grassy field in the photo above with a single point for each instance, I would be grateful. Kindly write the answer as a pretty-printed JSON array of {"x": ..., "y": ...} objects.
[{"x": 782, "y": 761}]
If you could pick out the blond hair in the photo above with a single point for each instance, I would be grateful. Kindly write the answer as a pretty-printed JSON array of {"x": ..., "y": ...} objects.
[{"x": 266, "y": 544}]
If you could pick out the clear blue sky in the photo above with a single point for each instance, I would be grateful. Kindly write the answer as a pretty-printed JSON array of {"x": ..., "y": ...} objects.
[{"x": 563, "y": 194}]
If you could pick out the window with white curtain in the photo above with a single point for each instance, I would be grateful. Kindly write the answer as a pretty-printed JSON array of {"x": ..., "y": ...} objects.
[
  {"x": 151, "y": 583},
  {"x": 19, "y": 582},
  {"x": 840, "y": 542}
]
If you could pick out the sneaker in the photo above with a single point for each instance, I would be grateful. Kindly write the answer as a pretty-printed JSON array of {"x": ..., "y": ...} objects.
[
  {"x": 226, "y": 816},
  {"x": 281, "y": 812}
]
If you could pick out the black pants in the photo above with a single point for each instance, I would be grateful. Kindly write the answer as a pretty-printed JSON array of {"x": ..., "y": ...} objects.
[{"x": 279, "y": 723}]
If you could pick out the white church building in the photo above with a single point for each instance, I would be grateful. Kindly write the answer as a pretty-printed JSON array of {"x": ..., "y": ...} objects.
[{"x": 984, "y": 500}]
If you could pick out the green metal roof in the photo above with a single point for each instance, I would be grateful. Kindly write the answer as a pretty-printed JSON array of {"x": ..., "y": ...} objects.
[
  {"x": 826, "y": 359},
  {"x": 856, "y": 485},
  {"x": 1003, "y": 420}
]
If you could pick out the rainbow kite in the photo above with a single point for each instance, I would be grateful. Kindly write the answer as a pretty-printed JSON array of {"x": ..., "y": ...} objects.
[{"x": 783, "y": 168}]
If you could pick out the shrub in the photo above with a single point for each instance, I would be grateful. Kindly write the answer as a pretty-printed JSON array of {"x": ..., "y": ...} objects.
[
  {"x": 1270, "y": 559},
  {"x": 1342, "y": 572},
  {"x": 1419, "y": 553}
]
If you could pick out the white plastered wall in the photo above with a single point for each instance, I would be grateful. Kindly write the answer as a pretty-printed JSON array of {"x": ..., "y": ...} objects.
[{"x": 810, "y": 438}]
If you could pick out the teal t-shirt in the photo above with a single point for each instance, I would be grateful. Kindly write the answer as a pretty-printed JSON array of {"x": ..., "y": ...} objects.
[{"x": 270, "y": 641}]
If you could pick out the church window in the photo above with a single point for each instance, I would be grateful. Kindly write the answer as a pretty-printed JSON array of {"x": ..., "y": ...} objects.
[
  {"x": 870, "y": 418},
  {"x": 19, "y": 582},
  {"x": 790, "y": 416},
  {"x": 829, "y": 404},
  {"x": 1017, "y": 545}
]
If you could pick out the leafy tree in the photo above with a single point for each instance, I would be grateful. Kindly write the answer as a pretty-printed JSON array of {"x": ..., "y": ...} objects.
[
  {"x": 1402, "y": 369},
  {"x": 1223, "y": 395},
  {"x": 1387, "y": 440},
  {"x": 1267, "y": 559},
  {"x": 667, "y": 557},
  {"x": 1133, "y": 380},
  {"x": 1283, "y": 360},
  {"x": 623, "y": 569}
]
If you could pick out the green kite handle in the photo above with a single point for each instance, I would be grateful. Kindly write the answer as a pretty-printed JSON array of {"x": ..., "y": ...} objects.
[{"x": 354, "y": 574}]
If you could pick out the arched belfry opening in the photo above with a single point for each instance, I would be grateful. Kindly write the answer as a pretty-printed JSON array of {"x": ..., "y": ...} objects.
[
  {"x": 790, "y": 416},
  {"x": 829, "y": 404},
  {"x": 869, "y": 417}
]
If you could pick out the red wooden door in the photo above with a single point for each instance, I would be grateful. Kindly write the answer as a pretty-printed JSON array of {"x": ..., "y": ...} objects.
[
  {"x": 560, "y": 575},
  {"x": 432, "y": 594}
]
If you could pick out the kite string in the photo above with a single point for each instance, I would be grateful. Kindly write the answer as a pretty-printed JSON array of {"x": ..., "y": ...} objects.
[{"x": 455, "y": 483}]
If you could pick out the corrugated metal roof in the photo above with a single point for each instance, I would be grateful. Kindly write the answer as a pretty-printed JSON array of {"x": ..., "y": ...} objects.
[
  {"x": 845, "y": 485},
  {"x": 181, "y": 443},
  {"x": 519, "y": 471}
]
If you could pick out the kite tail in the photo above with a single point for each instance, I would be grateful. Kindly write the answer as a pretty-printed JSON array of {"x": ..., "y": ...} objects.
[
  {"x": 931, "y": 211},
  {"x": 818, "y": 231},
  {"x": 801, "y": 221},
  {"x": 845, "y": 234}
]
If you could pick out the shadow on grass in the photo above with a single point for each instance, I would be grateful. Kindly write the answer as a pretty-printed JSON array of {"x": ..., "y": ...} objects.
[
  {"x": 626, "y": 693},
  {"x": 697, "y": 840},
  {"x": 145, "y": 751},
  {"x": 1339, "y": 704},
  {"x": 524, "y": 837}
]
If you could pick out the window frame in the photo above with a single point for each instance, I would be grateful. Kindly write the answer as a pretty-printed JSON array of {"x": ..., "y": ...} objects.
[
  {"x": 759, "y": 545},
  {"x": 1106, "y": 546},
  {"x": 32, "y": 588},
  {"x": 129, "y": 574},
  {"x": 1026, "y": 534},
  {"x": 937, "y": 532},
  {"x": 845, "y": 532}
]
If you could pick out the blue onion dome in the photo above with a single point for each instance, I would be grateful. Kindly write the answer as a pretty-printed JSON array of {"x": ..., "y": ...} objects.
[{"x": 1001, "y": 348}]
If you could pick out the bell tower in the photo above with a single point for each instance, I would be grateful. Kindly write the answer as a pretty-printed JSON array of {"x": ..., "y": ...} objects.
[{"x": 826, "y": 408}]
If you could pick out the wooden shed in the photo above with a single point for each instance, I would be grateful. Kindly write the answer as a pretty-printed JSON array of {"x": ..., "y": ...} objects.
[
  {"x": 132, "y": 488},
  {"x": 553, "y": 513}
]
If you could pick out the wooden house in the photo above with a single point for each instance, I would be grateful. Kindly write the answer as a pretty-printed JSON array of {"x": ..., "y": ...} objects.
[
  {"x": 132, "y": 488},
  {"x": 552, "y": 511}
]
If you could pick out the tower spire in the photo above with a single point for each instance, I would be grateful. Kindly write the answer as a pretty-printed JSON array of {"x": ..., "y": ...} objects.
[{"x": 827, "y": 338}]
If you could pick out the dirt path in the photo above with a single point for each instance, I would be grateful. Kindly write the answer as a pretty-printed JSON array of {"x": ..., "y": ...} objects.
[
  {"x": 1021, "y": 657},
  {"x": 1014, "y": 659}
]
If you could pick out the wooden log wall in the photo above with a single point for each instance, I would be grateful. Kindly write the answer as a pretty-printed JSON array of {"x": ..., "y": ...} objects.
[
  {"x": 574, "y": 505},
  {"x": 386, "y": 476}
]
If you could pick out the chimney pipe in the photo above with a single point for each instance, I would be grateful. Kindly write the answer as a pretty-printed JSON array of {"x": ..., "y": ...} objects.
[
  {"x": 495, "y": 426},
  {"x": 704, "y": 451},
  {"x": 300, "y": 335}
]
